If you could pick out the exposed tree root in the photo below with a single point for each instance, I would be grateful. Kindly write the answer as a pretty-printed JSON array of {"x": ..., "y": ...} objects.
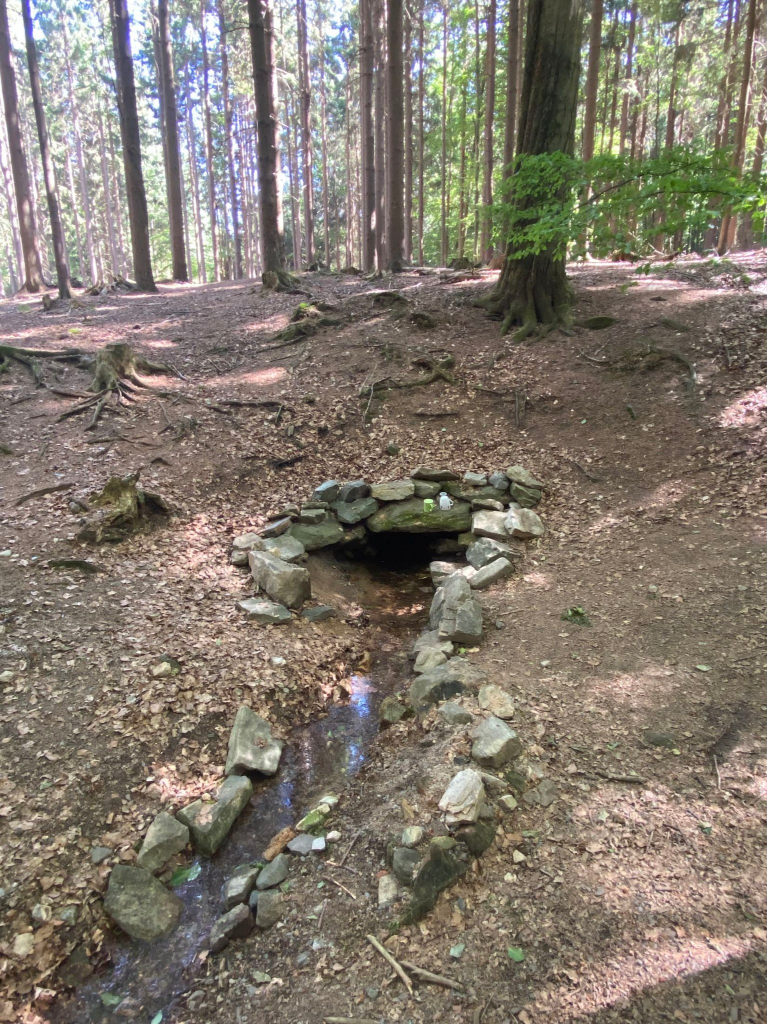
[
  {"x": 646, "y": 358},
  {"x": 532, "y": 295},
  {"x": 306, "y": 320},
  {"x": 436, "y": 370},
  {"x": 281, "y": 281}
]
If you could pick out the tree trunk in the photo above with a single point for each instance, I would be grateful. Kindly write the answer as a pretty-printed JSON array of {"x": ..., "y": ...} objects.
[
  {"x": 460, "y": 248},
  {"x": 108, "y": 203},
  {"x": 408, "y": 246},
  {"x": 291, "y": 128},
  {"x": 511, "y": 90},
  {"x": 324, "y": 136},
  {"x": 421, "y": 98},
  {"x": 76, "y": 218},
  {"x": 395, "y": 163},
  {"x": 191, "y": 145},
  {"x": 534, "y": 290},
  {"x": 304, "y": 87},
  {"x": 592, "y": 79},
  {"x": 725, "y": 82},
  {"x": 208, "y": 123},
  {"x": 487, "y": 180},
  {"x": 671, "y": 115},
  {"x": 479, "y": 88},
  {"x": 49, "y": 174},
  {"x": 33, "y": 270},
  {"x": 380, "y": 147},
  {"x": 131, "y": 143},
  {"x": 270, "y": 207},
  {"x": 175, "y": 189},
  {"x": 367, "y": 140},
  {"x": 443, "y": 161},
  {"x": 234, "y": 205},
  {"x": 729, "y": 219},
  {"x": 629, "y": 69}
]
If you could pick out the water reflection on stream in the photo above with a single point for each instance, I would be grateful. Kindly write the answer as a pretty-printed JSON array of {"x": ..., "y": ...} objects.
[{"x": 317, "y": 758}]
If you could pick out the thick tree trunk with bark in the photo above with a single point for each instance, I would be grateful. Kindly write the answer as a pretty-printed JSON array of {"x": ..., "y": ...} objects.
[
  {"x": 227, "y": 101},
  {"x": 592, "y": 79},
  {"x": 510, "y": 125},
  {"x": 533, "y": 290},
  {"x": 208, "y": 123},
  {"x": 175, "y": 189},
  {"x": 33, "y": 270},
  {"x": 367, "y": 139},
  {"x": 729, "y": 219},
  {"x": 49, "y": 174},
  {"x": 421, "y": 100},
  {"x": 131, "y": 140},
  {"x": 304, "y": 87},
  {"x": 270, "y": 208},
  {"x": 380, "y": 131},
  {"x": 443, "y": 175},
  {"x": 324, "y": 136},
  {"x": 408, "y": 246},
  {"x": 487, "y": 180},
  {"x": 395, "y": 163}
]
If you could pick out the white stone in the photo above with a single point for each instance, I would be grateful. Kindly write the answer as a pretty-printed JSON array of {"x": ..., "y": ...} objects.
[
  {"x": 463, "y": 798},
  {"x": 524, "y": 523},
  {"x": 490, "y": 524},
  {"x": 489, "y": 574},
  {"x": 496, "y": 700}
]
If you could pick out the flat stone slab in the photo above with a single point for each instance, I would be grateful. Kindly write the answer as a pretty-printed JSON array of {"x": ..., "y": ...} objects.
[
  {"x": 301, "y": 845},
  {"x": 141, "y": 905},
  {"x": 285, "y": 583},
  {"x": 485, "y": 550},
  {"x": 410, "y": 517},
  {"x": 327, "y": 491},
  {"x": 240, "y": 885},
  {"x": 433, "y": 475},
  {"x": 454, "y": 714},
  {"x": 319, "y": 613},
  {"x": 237, "y": 924},
  {"x": 394, "y": 490},
  {"x": 439, "y": 571},
  {"x": 490, "y": 524},
  {"x": 426, "y": 488},
  {"x": 431, "y": 640},
  {"x": 210, "y": 822},
  {"x": 455, "y": 676},
  {"x": 519, "y": 475},
  {"x": 252, "y": 748},
  {"x": 462, "y": 800},
  {"x": 165, "y": 837},
  {"x": 352, "y": 512},
  {"x": 524, "y": 523},
  {"x": 286, "y": 547},
  {"x": 266, "y": 613},
  {"x": 475, "y": 479},
  {"x": 312, "y": 516},
  {"x": 492, "y": 573},
  {"x": 496, "y": 700},
  {"x": 322, "y": 535},
  {"x": 274, "y": 873},
  {"x": 495, "y": 743},
  {"x": 277, "y": 527},
  {"x": 427, "y": 660},
  {"x": 354, "y": 490}
]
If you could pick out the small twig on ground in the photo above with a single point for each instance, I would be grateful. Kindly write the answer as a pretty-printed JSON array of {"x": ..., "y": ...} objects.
[
  {"x": 41, "y": 491},
  {"x": 718, "y": 775},
  {"x": 340, "y": 885},
  {"x": 333, "y": 864},
  {"x": 589, "y": 476},
  {"x": 435, "y": 979},
  {"x": 391, "y": 961},
  {"x": 351, "y": 847},
  {"x": 322, "y": 914}
]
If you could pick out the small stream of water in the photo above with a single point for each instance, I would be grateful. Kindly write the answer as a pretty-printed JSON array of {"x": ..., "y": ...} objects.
[{"x": 317, "y": 758}]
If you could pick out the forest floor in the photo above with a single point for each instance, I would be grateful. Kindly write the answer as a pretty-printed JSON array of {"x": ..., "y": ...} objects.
[{"x": 636, "y": 902}]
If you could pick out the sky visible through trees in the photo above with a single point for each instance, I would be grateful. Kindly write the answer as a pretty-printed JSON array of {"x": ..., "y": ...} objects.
[{"x": 671, "y": 115}]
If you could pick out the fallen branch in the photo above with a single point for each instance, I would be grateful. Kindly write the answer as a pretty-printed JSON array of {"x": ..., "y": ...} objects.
[
  {"x": 340, "y": 885},
  {"x": 435, "y": 979},
  {"x": 41, "y": 491},
  {"x": 632, "y": 359},
  {"x": 391, "y": 961},
  {"x": 639, "y": 780},
  {"x": 351, "y": 847},
  {"x": 75, "y": 563}
]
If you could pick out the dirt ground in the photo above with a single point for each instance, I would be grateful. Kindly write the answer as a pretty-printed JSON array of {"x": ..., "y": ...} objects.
[{"x": 635, "y": 901}]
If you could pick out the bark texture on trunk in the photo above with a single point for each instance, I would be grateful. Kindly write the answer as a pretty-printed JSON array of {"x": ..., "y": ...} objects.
[
  {"x": 408, "y": 246},
  {"x": 510, "y": 125},
  {"x": 304, "y": 86},
  {"x": 272, "y": 244},
  {"x": 380, "y": 131},
  {"x": 395, "y": 163},
  {"x": 729, "y": 220},
  {"x": 208, "y": 122},
  {"x": 533, "y": 290},
  {"x": 49, "y": 173},
  {"x": 367, "y": 140},
  {"x": 33, "y": 270},
  {"x": 487, "y": 180},
  {"x": 131, "y": 140},
  {"x": 230, "y": 161},
  {"x": 175, "y": 188},
  {"x": 592, "y": 79}
]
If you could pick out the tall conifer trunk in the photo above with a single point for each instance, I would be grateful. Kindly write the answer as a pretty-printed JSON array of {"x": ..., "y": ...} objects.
[
  {"x": 304, "y": 87},
  {"x": 395, "y": 163},
  {"x": 175, "y": 188},
  {"x": 487, "y": 180},
  {"x": 230, "y": 161},
  {"x": 367, "y": 140}
]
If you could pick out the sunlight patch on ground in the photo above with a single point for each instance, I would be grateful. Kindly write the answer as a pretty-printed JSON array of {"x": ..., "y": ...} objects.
[
  {"x": 266, "y": 325},
  {"x": 637, "y": 689},
  {"x": 159, "y": 342},
  {"x": 539, "y": 580},
  {"x": 257, "y": 378},
  {"x": 749, "y": 411}
]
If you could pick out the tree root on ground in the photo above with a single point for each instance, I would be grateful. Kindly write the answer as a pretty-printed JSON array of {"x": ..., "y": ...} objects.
[
  {"x": 121, "y": 508},
  {"x": 436, "y": 370},
  {"x": 281, "y": 281},
  {"x": 306, "y": 320},
  {"x": 645, "y": 358}
]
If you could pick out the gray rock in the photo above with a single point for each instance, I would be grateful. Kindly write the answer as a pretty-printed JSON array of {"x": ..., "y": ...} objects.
[
  {"x": 493, "y": 784},
  {"x": 490, "y": 524},
  {"x": 519, "y": 475},
  {"x": 312, "y": 516},
  {"x": 319, "y": 613},
  {"x": 393, "y": 490},
  {"x": 354, "y": 491},
  {"x": 327, "y": 491},
  {"x": 445, "y": 862},
  {"x": 431, "y": 640},
  {"x": 453, "y": 714},
  {"x": 285, "y": 583},
  {"x": 210, "y": 823},
  {"x": 475, "y": 479},
  {"x": 495, "y": 743},
  {"x": 239, "y": 887},
  {"x": 301, "y": 845},
  {"x": 351, "y": 512},
  {"x": 507, "y": 803},
  {"x": 165, "y": 837},
  {"x": 487, "y": 504},
  {"x": 427, "y": 660},
  {"x": 391, "y": 710},
  {"x": 237, "y": 924},
  {"x": 274, "y": 873},
  {"x": 524, "y": 523},
  {"x": 499, "y": 480},
  {"x": 253, "y": 899},
  {"x": 412, "y": 836},
  {"x": 433, "y": 475},
  {"x": 404, "y": 864},
  {"x": 484, "y": 550},
  {"x": 277, "y": 527},
  {"x": 287, "y": 548},
  {"x": 388, "y": 890},
  {"x": 527, "y": 497},
  {"x": 445, "y": 681},
  {"x": 141, "y": 905},
  {"x": 410, "y": 517},
  {"x": 477, "y": 837},
  {"x": 252, "y": 748},
  {"x": 266, "y": 613},
  {"x": 242, "y": 545},
  {"x": 312, "y": 504},
  {"x": 660, "y": 739},
  {"x": 462, "y": 800},
  {"x": 497, "y": 570},
  {"x": 426, "y": 489},
  {"x": 318, "y": 844},
  {"x": 440, "y": 571},
  {"x": 496, "y": 700},
  {"x": 468, "y": 493},
  {"x": 322, "y": 535},
  {"x": 455, "y": 612},
  {"x": 542, "y": 795},
  {"x": 100, "y": 853},
  {"x": 270, "y": 908}
]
